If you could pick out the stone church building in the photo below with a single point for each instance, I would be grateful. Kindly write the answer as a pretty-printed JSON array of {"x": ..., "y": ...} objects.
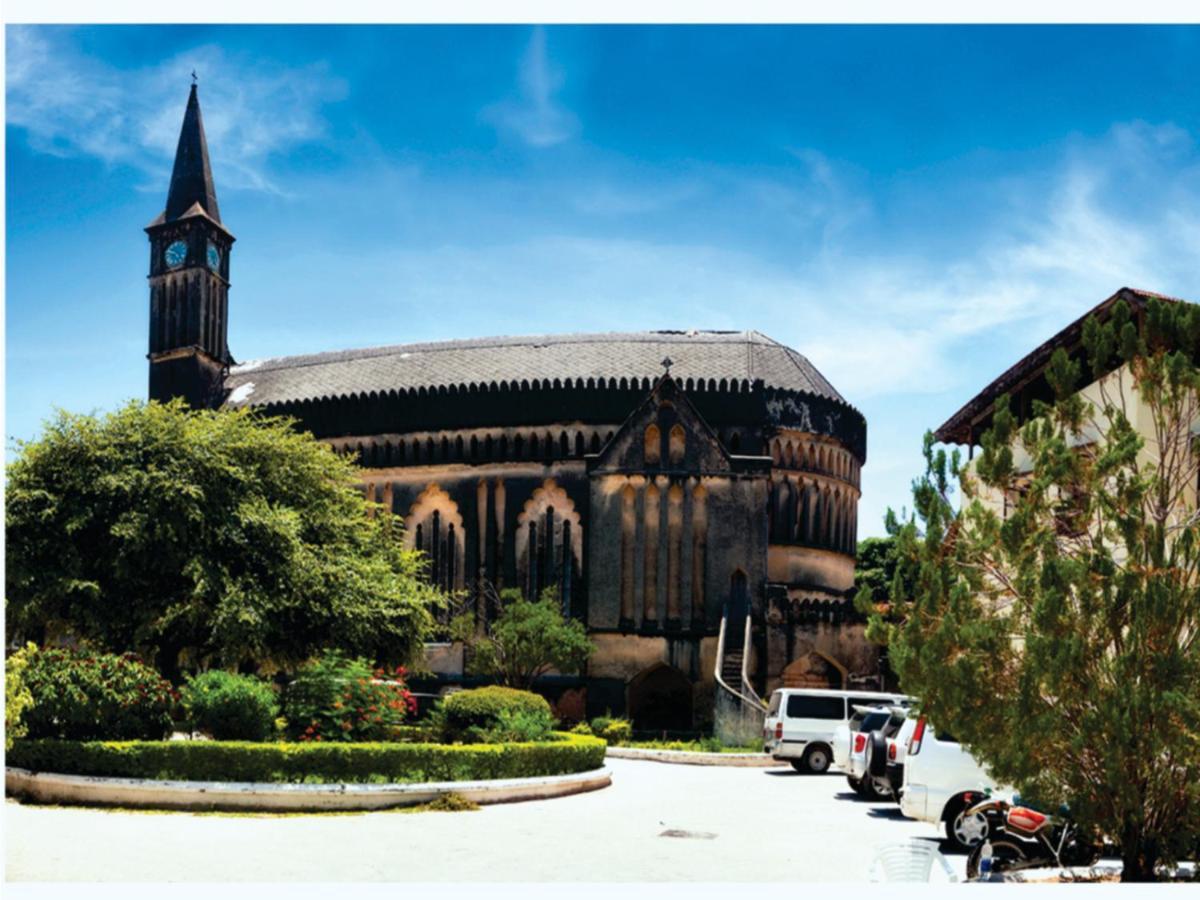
[{"x": 692, "y": 495}]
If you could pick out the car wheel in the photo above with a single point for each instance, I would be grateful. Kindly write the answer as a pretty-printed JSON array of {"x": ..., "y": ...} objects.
[
  {"x": 963, "y": 831},
  {"x": 882, "y": 787},
  {"x": 817, "y": 760},
  {"x": 799, "y": 765},
  {"x": 855, "y": 784}
]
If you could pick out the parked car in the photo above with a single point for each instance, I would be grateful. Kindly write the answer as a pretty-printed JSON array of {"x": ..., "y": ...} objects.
[
  {"x": 870, "y": 745},
  {"x": 800, "y": 724},
  {"x": 897, "y": 749},
  {"x": 941, "y": 781}
]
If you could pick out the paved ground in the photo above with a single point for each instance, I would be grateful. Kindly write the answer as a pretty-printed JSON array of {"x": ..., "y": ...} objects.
[{"x": 732, "y": 825}]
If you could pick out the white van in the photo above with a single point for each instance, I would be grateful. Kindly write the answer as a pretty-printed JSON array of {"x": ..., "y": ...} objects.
[
  {"x": 800, "y": 723},
  {"x": 941, "y": 780}
]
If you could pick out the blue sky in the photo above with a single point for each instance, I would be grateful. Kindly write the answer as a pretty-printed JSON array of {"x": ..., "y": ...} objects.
[{"x": 913, "y": 208}]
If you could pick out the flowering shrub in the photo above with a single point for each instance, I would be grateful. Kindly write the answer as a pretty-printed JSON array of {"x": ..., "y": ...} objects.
[
  {"x": 82, "y": 695},
  {"x": 336, "y": 698},
  {"x": 230, "y": 707}
]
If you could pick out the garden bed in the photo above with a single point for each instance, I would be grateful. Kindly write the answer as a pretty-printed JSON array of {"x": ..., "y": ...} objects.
[{"x": 309, "y": 763}]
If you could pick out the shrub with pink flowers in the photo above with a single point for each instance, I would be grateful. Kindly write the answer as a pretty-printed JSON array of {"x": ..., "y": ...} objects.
[
  {"x": 338, "y": 698},
  {"x": 80, "y": 695}
]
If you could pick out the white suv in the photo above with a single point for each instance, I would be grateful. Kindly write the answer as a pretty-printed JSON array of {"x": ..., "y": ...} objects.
[
  {"x": 800, "y": 723},
  {"x": 852, "y": 744},
  {"x": 941, "y": 780}
]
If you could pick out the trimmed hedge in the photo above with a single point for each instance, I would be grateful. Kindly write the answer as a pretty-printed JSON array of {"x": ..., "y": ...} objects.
[{"x": 309, "y": 762}]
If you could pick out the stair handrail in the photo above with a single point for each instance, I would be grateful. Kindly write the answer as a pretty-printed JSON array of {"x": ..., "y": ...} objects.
[
  {"x": 746, "y": 685},
  {"x": 756, "y": 703}
]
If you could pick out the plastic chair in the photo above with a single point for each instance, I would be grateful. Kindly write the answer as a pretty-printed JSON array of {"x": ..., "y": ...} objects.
[{"x": 908, "y": 861}]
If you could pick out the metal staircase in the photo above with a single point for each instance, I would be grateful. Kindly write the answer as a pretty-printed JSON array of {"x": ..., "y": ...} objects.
[{"x": 738, "y": 709}]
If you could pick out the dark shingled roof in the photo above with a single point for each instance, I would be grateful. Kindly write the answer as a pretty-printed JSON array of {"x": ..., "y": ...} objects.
[
  {"x": 963, "y": 427},
  {"x": 730, "y": 355}
]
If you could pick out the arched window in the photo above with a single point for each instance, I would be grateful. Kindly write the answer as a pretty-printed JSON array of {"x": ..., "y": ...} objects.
[
  {"x": 435, "y": 527},
  {"x": 653, "y": 445},
  {"x": 677, "y": 444},
  {"x": 549, "y": 543}
]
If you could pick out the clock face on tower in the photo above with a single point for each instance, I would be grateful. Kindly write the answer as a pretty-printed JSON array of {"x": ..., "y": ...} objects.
[
  {"x": 214, "y": 257},
  {"x": 175, "y": 254}
]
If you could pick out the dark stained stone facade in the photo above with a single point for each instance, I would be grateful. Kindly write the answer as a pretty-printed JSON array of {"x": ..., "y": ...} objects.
[{"x": 672, "y": 485}]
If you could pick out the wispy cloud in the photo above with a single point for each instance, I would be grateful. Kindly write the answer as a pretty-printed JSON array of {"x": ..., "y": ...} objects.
[
  {"x": 534, "y": 115},
  {"x": 877, "y": 315},
  {"x": 70, "y": 104}
]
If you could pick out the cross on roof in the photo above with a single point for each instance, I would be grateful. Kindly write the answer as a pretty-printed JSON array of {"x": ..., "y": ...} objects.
[{"x": 667, "y": 363}]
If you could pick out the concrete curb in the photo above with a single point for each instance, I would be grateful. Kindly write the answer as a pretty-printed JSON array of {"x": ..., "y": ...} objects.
[
  {"x": 50, "y": 787},
  {"x": 692, "y": 758}
]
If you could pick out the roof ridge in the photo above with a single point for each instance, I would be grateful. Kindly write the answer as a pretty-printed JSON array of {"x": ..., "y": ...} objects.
[{"x": 299, "y": 360}]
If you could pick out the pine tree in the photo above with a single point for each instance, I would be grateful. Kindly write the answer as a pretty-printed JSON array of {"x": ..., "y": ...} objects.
[{"x": 1055, "y": 622}]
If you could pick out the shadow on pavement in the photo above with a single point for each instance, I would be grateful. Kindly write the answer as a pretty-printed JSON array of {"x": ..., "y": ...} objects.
[{"x": 888, "y": 812}]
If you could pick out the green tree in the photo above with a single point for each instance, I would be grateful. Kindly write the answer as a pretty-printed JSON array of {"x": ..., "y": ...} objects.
[
  {"x": 1061, "y": 641},
  {"x": 205, "y": 537},
  {"x": 525, "y": 640}
]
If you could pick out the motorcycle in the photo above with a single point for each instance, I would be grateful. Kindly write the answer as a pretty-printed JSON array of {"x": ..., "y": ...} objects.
[{"x": 1020, "y": 837}]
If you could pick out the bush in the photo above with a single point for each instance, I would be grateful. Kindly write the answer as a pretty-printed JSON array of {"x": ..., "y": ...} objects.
[
  {"x": 230, "y": 707},
  {"x": 468, "y": 715},
  {"x": 309, "y": 762},
  {"x": 336, "y": 698},
  {"x": 614, "y": 731},
  {"x": 17, "y": 698},
  {"x": 82, "y": 696},
  {"x": 581, "y": 728},
  {"x": 617, "y": 732},
  {"x": 515, "y": 725}
]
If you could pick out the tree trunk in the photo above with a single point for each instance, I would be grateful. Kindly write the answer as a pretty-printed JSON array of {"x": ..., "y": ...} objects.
[
  {"x": 167, "y": 661},
  {"x": 1139, "y": 857}
]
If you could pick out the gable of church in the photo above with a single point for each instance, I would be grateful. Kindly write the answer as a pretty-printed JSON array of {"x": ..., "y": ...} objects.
[{"x": 664, "y": 433}]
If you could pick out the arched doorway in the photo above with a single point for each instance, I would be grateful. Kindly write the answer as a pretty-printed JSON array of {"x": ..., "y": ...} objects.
[
  {"x": 813, "y": 670},
  {"x": 660, "y": 699}
]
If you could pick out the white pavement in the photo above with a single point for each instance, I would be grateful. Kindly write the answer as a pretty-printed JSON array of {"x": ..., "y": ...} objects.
[{"x": 722, "y": 824}]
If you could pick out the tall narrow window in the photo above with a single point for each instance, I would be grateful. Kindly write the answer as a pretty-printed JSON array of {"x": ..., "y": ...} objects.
[
  {"x": 653, "y": 445},
  {"x": 650, "y": 544},
  {"x": 677, "y": 445}
]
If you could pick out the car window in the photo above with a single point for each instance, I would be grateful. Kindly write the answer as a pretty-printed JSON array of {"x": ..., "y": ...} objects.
[
  {"x": 801, "y": 707},
  {"x": 945, "y": 738},
  {"x": 773, "y": 709},
  {"x": 873, "y": 720},
  {"x": 864, "y": 701}
]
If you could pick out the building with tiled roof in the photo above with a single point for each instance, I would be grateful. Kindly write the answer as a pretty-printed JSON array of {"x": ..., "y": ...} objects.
[{"x": 691, "y": 495}]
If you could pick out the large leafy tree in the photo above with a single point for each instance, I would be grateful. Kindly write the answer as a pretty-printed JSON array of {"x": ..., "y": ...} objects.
[
  {"x": 525, "y": 639},
  {"x": 205, "y": 536},
  {"x": 1055, "y": 621}
]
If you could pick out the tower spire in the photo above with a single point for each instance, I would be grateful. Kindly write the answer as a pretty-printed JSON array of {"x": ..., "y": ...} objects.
[{"x": 191, "y": 179}]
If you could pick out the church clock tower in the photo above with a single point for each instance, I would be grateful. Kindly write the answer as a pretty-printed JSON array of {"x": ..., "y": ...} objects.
[{"x": 189, "y": 278}]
